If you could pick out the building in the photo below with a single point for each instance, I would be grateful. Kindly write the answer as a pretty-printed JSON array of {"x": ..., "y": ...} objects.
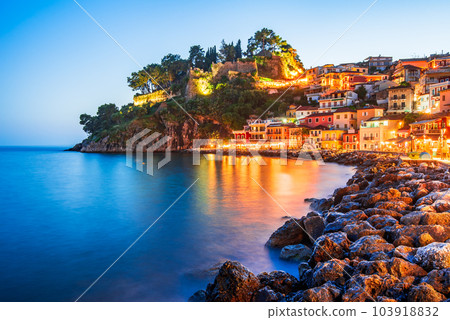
[
  {"x": 315, "y": 135},
  {"x": 374, "y": 132},
  {"x": 406, "y": 73},
  {"x": 290, "y": 112},
  {"x": 416, "y": 62},
  {"x": 366, "y": 113},
  {"x": 337, "y": 99},
  {"x": 304, "y": 111},
  {"x": 444, "y": 105},
  {"x": 350, "y": 140},
  {"x": 345, "y": 118},
  {"x": 242, "y": 134},
  {"x": 332, "y": 139},
  {"x": 439, "y": 61},
  {"x": 422, "y": 103},
  {"x": 257, "y": 129},
  {"x": 401, "y": 100},
  {"x": 432, "y": 76},
  {"x": 318, "y": 119},
  {"x": 286, "y": 135},
  {"x": 381, "y": 63},
  {"x": 435, "y": 95},
  {"x": 429, "y": 135}
]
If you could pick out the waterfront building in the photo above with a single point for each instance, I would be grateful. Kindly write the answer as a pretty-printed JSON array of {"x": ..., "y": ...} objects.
[
  {"x": 375, "y": 131},
  {"x": 429, "y": 135},
  {"x": 332, "y": 139},
  {"x": 345, "y": 118},
  {"x": 366, "y": 113},
  {"x": 350, "y": 140}
]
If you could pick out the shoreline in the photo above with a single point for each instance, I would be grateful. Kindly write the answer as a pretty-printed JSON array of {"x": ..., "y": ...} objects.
[{"x": 385, "y": 236}]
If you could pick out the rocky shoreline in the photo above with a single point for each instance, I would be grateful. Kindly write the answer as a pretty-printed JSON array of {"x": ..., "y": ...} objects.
[{"x": 385, "y": 236}]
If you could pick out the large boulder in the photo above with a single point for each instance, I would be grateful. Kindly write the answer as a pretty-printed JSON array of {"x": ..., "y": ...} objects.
[
  {"x": 357, "y": 229},
  {"x": 292, "y": 232},
  {"x": 397, "y": 267},
  {"x": 279, "y": 281},
  {"x": 341, "y": 192},
  {"x": 405, "y": 252},
  {"x": 362, "y": 288},
  {"x": 381, "y": 222},
  {"x": 314, "y": 227},
  {"x": 266, "y": 295},
  {"x": 295, "y": 252},
  {"x": 331, "y": 270},
  {"x": 434, "y": 256},
  {"x": 368, "y": 245},
  {"x": 383, "y": 212},
  {"x": 199, "y": 296},
  {"x": 329, "y": 246},
  {"x": 233, "y": 283},
  {"x": 424, "y": 293},
  {"x": 321, "y": 205},
  {"x": 426, "y": 218},
  {"x": 438, "y": 233},
  {"x": 439, "y": 280},
  {"x": 328, "y": 292}
]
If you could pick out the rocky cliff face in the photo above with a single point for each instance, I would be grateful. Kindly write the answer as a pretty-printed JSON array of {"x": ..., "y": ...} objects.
[{"x": 181, "y": 138}]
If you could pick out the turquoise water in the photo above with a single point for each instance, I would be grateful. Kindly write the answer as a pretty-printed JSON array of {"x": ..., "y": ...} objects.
[{"x": 65, "y": 217}]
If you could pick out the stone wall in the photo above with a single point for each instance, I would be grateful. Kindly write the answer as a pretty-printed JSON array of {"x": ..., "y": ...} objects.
[
  {"x": 222, "y": 69},
  {"x": 154, "y": 97}
]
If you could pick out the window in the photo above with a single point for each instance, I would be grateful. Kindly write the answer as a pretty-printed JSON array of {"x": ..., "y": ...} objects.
[
  {"x": 329, "y": 119},
  {"x": 337, "y": 126},
  {"x": 395, "y": 105},
  {"x": 403, "y": 96},
  {"x": 345, "y": 116},
  {"x": 403, "y": 104},
  {"x": 345, "y": 126},
  {"x": 338, "y": 116},
  {"x": 309, "y": 120},
  {"x": 443, "y": 98},
  {"x": 317, "y": 119}
]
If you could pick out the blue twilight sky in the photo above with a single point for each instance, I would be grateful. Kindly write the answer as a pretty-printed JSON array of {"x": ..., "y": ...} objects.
[{"x": 56, "y": 63}]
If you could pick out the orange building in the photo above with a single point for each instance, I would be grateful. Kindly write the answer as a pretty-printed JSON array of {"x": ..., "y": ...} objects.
[
  {"x": 367, "y": 113},
  {"x": 350, "y": 140}
]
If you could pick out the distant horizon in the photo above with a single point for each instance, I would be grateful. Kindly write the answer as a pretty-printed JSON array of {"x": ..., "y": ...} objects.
[{"x": 60, "y": 64}]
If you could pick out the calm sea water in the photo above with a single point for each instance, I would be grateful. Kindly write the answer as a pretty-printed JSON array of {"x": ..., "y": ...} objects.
[{"x": 65, "y": 217}]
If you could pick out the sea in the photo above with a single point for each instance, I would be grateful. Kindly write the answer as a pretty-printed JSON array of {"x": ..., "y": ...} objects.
[{"x": 87, "y": 227}]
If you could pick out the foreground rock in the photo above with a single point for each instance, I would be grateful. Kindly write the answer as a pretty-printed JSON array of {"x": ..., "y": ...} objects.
[{"x": 385, "y": 236}]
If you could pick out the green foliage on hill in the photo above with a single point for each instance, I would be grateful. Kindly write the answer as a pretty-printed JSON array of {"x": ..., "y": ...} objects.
[{"x": 226, "y": 106}]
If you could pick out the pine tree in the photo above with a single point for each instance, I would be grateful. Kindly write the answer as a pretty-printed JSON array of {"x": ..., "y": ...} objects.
[{"x": 238, "y": 50}]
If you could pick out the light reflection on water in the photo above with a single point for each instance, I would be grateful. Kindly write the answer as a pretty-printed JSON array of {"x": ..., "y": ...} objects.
[{"x": 68, "y": 216}]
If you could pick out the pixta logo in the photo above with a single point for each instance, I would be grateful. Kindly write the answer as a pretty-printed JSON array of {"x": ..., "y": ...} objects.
[{"x": 138, "y": 143}]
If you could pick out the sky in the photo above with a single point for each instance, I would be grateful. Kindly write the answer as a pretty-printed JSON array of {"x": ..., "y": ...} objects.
[{"x": 56, "y": 63}]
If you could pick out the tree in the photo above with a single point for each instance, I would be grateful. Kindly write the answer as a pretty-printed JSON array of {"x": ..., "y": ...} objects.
[
  {"x": 238, "y": 50},
  {"x": 149, "y": 79},
  {"x": 196, "y": 57},
  {"x": 361, "y": 92},
  {"x": 210, "y": 57},
  {"x": 265, "y": 39},
  {"x": 227, "y": 51},
  {"x": 174, "y": 66}
]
